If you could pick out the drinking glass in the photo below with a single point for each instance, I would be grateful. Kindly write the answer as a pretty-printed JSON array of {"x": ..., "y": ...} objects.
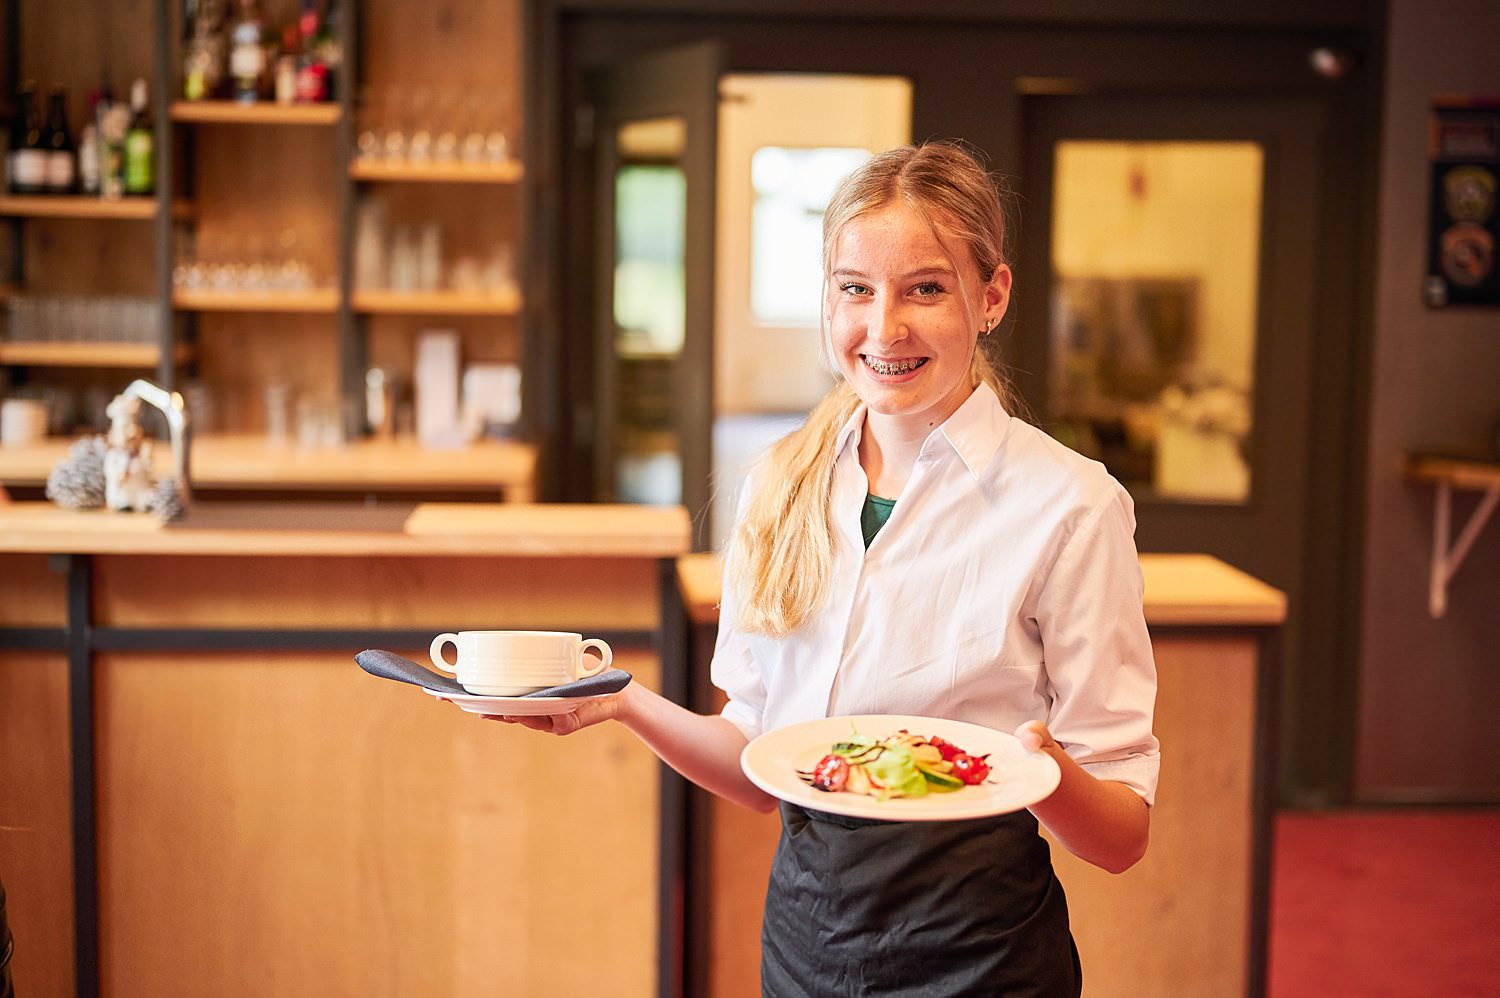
[
  {"x": 419, "y": 142},
  {"x": 394, "y": 136},
  {"x": 446, "y": 124},
  {"x": 278, "y": 416},
  {"x": 472, "y": 149},
  {"x": 369, "y": 144}
]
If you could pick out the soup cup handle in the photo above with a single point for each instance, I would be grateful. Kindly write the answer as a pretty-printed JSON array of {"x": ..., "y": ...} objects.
[
  {"x": 605, "y": 657},
  {"x": 436, "y": 652}
]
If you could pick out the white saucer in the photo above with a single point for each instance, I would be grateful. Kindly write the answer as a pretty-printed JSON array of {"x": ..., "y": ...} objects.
[{"x": 518, "y": 706}]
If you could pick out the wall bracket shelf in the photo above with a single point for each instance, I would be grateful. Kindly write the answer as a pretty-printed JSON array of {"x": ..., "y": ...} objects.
[{"x": 1449, "y": 474}]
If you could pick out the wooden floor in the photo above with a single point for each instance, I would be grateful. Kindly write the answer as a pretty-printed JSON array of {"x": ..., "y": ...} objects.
[{"x": 1386, "y": 904}]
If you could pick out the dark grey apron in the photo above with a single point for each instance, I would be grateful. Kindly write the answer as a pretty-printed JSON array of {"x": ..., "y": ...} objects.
[{"x": 944, "y": 908}]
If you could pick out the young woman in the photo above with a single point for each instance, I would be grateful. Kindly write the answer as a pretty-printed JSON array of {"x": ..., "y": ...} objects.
[{"x": 916, "y": 549}]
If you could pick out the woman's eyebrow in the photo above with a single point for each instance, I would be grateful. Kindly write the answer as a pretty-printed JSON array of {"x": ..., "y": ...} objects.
[{"x": 932, "y": 268}]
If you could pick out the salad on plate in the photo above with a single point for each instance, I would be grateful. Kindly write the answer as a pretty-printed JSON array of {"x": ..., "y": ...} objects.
[{"x": 899, "y": 765}]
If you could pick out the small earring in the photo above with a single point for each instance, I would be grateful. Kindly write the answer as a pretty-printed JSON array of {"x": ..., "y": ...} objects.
[{"x": 987, "y": 327}]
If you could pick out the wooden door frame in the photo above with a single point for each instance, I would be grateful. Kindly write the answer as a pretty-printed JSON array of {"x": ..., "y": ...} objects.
[{"x": 644, "y": 88}]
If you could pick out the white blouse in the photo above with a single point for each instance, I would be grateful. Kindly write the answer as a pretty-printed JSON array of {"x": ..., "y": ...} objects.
[{"x": 1005, "y": 587}]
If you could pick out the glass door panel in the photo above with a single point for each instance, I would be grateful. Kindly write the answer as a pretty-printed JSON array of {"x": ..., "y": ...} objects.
[
  {"x": 649, "y": 309},
  {"x": 1155, "y": 261}
]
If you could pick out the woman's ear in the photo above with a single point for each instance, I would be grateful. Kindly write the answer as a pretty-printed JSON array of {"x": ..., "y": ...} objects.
[{"x": 997, "y": 295}]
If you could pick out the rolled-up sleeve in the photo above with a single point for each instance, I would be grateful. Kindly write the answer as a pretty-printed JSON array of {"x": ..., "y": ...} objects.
[
  {"x": 1097, "y": 652},
  {"x": 734, "y": 670}
]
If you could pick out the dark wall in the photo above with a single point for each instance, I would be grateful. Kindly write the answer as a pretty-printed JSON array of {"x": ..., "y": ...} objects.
[{"x": 1429, "y": 689}]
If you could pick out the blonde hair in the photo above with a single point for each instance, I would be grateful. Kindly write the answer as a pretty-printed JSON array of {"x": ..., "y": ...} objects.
[{"x": 781, "y": 553}]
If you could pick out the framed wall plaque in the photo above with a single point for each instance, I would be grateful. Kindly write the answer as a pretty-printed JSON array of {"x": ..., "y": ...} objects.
[{"x": 1463, "y": 225}]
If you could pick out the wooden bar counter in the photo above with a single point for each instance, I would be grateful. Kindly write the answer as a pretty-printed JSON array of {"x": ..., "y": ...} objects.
[
  {"x": 202, "y": 794},
  {"x": 1190, "y": 918}
]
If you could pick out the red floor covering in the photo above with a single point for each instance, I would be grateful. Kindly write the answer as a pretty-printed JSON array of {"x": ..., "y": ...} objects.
[{"x": 1386, "y": 904}]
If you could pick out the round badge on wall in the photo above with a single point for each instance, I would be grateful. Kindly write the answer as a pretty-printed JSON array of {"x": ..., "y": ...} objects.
[
  {"x": 1468, "y": 254},
  {"x": 1469, "y": 194}
]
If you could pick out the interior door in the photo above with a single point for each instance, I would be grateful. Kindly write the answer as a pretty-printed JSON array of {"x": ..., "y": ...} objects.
[
  {"x": 1167, "y": 285},
  {"x": 654, "y": 147}
]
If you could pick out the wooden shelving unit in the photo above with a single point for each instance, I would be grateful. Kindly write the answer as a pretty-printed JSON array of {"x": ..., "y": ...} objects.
[
  {"x": 434, "y": 303},
  {"x": 222, "y": 112},
  {"x": 510, "y": 172},
  {"x": 319, "y": 300},
  {"x": 247, "y": 177},
  {"x": 78, "y": 206},
  {"x": 116, "y": 355}
]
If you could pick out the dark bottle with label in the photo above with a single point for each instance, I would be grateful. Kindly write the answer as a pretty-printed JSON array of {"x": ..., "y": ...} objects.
[
  {"x": 62, "y": 154},
  {"x": 312, "y": 75},
  {"x": 16, "y": 137},
  {"x": 329, "y": 47},
  {"x": 28, "y": 158}
]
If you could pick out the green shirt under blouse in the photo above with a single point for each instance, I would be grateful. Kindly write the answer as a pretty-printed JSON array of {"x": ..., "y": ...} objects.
[{"x": 874, "y": 515}]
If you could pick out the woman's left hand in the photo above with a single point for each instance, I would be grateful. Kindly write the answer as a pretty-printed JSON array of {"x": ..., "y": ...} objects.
[{"x": 1035, "y": 737}]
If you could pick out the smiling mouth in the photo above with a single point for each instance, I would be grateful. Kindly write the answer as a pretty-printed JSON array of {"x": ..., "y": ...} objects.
[{"x": 892, "y": 367}]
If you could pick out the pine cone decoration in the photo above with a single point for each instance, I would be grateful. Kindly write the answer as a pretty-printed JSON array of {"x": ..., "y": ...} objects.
[
  {"x": 78, "y": 480},
  {"x": 166, "y": 499}
]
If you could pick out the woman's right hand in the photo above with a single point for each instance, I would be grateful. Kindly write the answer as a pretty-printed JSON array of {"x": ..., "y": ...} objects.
[
  {"x": 583, "y": 716},
  {"x": 704, "y": 748}
]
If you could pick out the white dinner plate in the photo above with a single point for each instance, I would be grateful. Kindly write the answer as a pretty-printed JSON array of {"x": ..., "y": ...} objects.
[
  {"x": 1017, "y": 779},
  {"x": 518, "y": 706}
]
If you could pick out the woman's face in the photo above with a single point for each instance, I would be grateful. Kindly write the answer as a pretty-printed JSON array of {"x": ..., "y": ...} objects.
[{"x": 901, "y": 329}]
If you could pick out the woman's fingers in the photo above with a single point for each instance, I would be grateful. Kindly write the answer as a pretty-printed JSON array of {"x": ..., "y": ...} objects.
[
  {"x": 1034, "y": 736},
  {"x": 585, "y": 715}
]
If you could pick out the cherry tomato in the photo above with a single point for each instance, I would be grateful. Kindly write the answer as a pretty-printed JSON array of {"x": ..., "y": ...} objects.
[
  {"x": 831, "y": 773},
  {"x": 947, "y": 748},
  {"x": 972, "y": 769}
]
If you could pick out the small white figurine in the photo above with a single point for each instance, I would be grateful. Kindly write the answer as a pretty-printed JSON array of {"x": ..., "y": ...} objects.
[{"x": 127, "y": 462}]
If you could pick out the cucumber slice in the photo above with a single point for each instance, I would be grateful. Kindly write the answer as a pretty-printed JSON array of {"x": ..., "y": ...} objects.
[{"x": 941, "y": 782}]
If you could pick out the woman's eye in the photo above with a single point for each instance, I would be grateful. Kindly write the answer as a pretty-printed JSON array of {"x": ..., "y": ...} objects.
[
  {"x": 929, "y": 288},
  {"x": 853, "y": 289}
]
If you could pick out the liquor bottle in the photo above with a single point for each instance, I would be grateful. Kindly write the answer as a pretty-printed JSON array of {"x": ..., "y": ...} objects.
[
  {"x": 29, "y": 162},
  {"x": 312, "y": 75},
  {"x": 113, "y": 119},
  {"x": 286, "y": 66},
  {"x": 58, "y": 141},
  {"x": 16, "y": 141},
  {"x": 140, "y": 152},
  {"x": 329, "y": 48},
  {"x": 247, "y": 54},
  {"x": 203, "y": 49},
  {"x": 88, "y": 159}
]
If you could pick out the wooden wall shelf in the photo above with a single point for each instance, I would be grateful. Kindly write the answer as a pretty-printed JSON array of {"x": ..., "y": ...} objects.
[
  {"x": 509, "y": 172},
  {"x": 118, "y": 355},
  {"x": 80, "y": 206},
  {"x": 435, "y": 303},
  {"x": 317, "y": 301},
  {"x": 223, "y": 112},
  {"x": 1452, "y": 474},
  {"x": 242, "y": 461}
]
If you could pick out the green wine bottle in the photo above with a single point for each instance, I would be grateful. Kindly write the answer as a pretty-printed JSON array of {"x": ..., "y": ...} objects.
[{"x": 140, "y": 152}]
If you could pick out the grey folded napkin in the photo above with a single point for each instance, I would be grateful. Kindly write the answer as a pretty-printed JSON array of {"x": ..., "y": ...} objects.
[{"x": 389, "y": 665}]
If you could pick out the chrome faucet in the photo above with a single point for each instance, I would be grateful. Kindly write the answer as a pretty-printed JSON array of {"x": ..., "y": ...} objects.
[{"x": 173, "y": 407}]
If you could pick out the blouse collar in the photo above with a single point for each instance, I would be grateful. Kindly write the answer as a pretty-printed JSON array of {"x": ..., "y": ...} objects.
[{"x": 974, "y": 431}]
